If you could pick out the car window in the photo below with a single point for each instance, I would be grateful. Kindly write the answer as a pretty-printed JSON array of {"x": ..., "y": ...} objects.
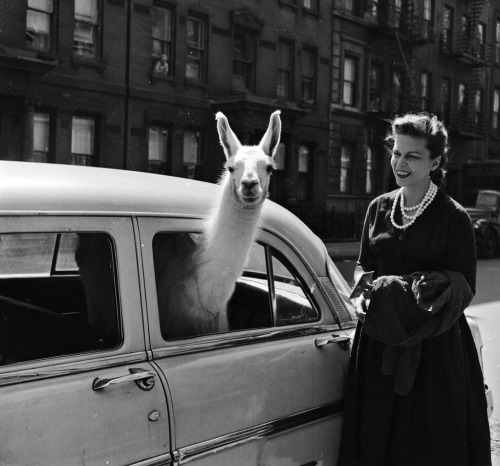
[
  {"x": 57, "y": 295},
  {"x": 488, "y": 200},
  {"x": 269, "y": 293}
]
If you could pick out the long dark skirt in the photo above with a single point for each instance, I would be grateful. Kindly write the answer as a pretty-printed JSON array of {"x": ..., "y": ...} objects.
[{"x": 442, "y": 421}]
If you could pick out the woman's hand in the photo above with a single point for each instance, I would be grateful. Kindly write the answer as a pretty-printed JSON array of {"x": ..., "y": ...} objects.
[{"x": 360, "y": 307}]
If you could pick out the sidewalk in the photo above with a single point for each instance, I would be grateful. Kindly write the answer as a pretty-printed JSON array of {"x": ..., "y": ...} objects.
[{"x": 342, "y": 250}]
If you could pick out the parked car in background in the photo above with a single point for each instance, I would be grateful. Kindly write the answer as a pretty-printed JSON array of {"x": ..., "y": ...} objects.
[
  {"x": 95, "y": 381},
  {"x": 485, "y": 216}
]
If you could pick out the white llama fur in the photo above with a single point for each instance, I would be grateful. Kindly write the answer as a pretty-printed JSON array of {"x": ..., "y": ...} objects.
[{"x": 196, "y": 278}]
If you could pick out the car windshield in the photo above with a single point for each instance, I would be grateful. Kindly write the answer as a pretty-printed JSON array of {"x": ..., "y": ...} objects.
[{"x": 487, "y": 200}]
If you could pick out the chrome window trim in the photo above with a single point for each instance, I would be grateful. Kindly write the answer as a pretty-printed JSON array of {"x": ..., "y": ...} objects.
[
  {"x": 162, "y": 460},
  {"x": 46, "y": 368},
  {"x": 224, "y": 442},
  {"x": 236, "y": 339}
]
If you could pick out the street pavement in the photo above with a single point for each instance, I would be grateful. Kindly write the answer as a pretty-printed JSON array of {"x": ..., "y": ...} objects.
[{"x": 484, "y": 309}]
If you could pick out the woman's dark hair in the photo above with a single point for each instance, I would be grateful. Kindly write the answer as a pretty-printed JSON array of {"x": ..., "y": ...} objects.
[{"x": 423, "y": 125}]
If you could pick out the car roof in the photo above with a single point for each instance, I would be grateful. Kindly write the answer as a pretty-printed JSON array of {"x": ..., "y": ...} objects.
[
  {"x": 489, "y": 191},
  {"x": 34, "y": 188}
]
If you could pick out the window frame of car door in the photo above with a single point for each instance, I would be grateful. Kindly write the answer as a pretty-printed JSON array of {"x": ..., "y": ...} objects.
[
  {"x": 150, "y": 226},
  {"x": 129, "y": 299}
]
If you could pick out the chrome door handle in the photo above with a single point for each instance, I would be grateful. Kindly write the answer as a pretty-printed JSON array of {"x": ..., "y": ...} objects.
[
  {"x": 142, "y": 377},
  {"x": 343, "y": 340}
]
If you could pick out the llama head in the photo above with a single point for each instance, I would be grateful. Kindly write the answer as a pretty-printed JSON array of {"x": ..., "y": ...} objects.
[{"x": 249, "y": 168}]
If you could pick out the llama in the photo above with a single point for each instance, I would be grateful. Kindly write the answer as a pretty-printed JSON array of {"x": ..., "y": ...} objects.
[{"x": 196, "y": 277}]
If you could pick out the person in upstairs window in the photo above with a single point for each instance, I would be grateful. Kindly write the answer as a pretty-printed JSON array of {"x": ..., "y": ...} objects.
[
  {"x": 414, "y": 390},
  {"x": 161, "y": 66}
]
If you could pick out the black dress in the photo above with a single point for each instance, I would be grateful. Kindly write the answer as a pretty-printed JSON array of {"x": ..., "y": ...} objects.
[{"x": 443, "y": 419}]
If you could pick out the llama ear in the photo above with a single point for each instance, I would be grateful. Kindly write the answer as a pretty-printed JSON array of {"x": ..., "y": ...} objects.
[
  {"x": 230, "y": 143},
  {"x": 270, "y": 140}
]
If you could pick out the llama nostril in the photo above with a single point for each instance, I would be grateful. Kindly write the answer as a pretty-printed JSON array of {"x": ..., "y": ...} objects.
[{"x": 249, "y": 184}]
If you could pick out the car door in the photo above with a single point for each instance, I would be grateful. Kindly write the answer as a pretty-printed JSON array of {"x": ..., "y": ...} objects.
[
  {"x": 76, "y": 386},
  {"x": 268, "y": 392}
]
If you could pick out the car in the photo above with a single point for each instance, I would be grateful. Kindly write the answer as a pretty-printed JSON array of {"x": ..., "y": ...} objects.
[
  {"x": 89, "y": 376},
  {"x": 485, "y": 216}
]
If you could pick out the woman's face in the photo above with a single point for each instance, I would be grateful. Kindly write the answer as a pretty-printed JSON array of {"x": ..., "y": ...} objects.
[{"x": 411, "y": 162}]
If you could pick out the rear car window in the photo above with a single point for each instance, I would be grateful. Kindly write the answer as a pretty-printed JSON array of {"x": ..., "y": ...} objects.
[
  {"x": 57, "y": 295},
  {"x": 269, "y": 293}
]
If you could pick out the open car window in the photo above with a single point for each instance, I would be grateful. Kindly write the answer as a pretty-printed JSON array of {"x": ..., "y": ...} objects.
[
  {"x": 57, "y": 295},
  {"x": 269, "y": 293}
]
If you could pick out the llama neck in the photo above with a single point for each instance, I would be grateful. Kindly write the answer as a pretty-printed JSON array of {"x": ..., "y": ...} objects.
[{"x": 230, "y": 232}]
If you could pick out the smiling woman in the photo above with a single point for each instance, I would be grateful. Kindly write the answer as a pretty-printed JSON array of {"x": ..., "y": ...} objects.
[{"x": 415, "y": 400}]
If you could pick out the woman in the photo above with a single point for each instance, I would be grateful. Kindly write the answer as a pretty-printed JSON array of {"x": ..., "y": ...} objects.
[{"x": 437, "y": 414}]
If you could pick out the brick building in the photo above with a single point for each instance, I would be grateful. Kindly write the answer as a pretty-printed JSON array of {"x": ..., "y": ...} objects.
[
  {"x": 395, "y": 56},
  {"x": 83, "y": 82},
  {"x": 135, "y": 84}
]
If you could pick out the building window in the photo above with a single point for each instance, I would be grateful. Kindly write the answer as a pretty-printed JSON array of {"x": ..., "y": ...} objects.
[
  {"x": 285, "y": 68},
  {"x": 311, "y": 5},
  {"x": 41, "y": 134},
  {"x": 196, "y": 40},
  {"x": 446, "y": 100},
  {"x": 192, "y": 151},
  {"x": 376, "y": 84},
  {"x": 462, "y": 98},
  {"x": 398, "y": 14},
  {"x": 39, "y": 24},
  {"x": 371, "y": 12},
  {"x": 478, "y": 107},
  {"x": 309, "y": 75},
  {"x": 86, "y": 34},
  {"x": 497, "y": 42},
  {"x": 350, "y": 81},
  {"x": 345, "y": 168},
  {"x": 82, "y": 140},
  {"x": 464, "y": 23},
  {"x": 304, "y": 163},
  {"x": 496, "y": 111},
  {"x": 163, "y": 38},
  {"x": 370, "y": 171},
  {"x": 243, "y": 60},
  {"x": 480, "y": 40},
  {"x": 447, "y": 26},
  {"x": 428, "y": 19},
  {"x": 397, "y": 89},
  {"x": 425, "y": 86},
  {"x": 348, "y": 6},
  {"x": 158, "y": 149}
]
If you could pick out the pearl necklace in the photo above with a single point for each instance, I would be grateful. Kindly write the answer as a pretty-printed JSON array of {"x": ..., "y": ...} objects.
[{"x": 428, "y": 198}]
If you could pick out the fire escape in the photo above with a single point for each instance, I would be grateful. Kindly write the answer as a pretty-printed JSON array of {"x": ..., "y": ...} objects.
[
  {"x": 469, "y": 48},
  {"x": 405, "y": 30}
]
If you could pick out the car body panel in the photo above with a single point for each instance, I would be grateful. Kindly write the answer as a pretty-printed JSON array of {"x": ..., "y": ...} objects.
[
  {"x": 232, "y": 388},
  {"x": 50, "y": 413},
  {"x": 267, "y": 395}
]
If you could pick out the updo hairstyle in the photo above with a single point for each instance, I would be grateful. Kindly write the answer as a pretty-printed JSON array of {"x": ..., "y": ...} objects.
[{"x": 423, "y": 125}]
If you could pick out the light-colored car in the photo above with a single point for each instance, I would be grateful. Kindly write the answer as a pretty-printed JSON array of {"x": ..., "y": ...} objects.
[{"x": 89, "y": 376}]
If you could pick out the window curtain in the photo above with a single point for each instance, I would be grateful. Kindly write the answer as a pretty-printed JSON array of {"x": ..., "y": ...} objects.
[
  {"x": 41, "y": 132},
  {"x": 191, "y": 154},
  {"x": 157, "y": 149},
  {"x": 86, "y": 11},
  {"x": 82, "y": 136}
]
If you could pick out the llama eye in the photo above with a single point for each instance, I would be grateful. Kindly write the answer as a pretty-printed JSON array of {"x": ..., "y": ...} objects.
[
  {"x": 231, "y": 169},
  {"x": 269, "y": 169}
]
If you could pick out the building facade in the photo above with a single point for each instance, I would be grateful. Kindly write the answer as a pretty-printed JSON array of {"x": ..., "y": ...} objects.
[
  {"x": 395, "y": 56},
  {"x": 135, "y": 84}
]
